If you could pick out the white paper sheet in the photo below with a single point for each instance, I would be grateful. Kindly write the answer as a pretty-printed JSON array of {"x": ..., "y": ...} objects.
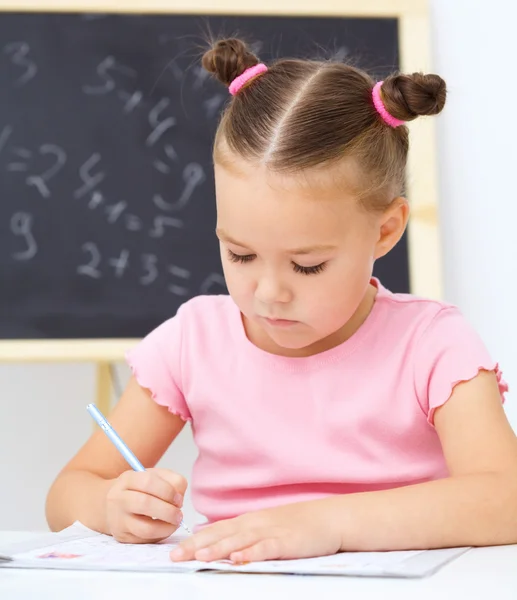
[{"x": 79, "y": 548}]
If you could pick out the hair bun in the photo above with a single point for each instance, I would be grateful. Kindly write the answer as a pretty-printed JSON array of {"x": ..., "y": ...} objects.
[
  {"x": 227, "y": 59},
  {"x": 409, "y": 96}
]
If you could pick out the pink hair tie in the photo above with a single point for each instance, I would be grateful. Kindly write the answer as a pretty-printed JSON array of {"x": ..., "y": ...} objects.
[
  {"x": 244, "y": 77},
  {"x": 381, "y": 109}
]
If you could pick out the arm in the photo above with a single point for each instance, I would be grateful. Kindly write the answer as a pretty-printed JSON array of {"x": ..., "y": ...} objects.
[
  {"x": 80, "y": 490},
  {"x": 476, "y": 505}
]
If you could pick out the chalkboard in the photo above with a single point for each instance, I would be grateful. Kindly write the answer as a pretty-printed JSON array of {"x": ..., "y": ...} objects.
[{"x": 107, "y": 210}]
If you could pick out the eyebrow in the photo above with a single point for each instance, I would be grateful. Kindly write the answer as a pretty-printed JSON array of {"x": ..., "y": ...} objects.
[{"x": 222, "y": 235}]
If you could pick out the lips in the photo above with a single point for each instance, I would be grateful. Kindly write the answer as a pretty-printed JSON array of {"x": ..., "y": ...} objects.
[{"x": 279, "y": 322}]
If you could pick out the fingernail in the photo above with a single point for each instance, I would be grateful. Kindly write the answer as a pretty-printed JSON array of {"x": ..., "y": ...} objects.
[
  {"x": 177, "y": 553},
  {"x": 178, "y": 518},
  {"x": 178, "y": 500}
]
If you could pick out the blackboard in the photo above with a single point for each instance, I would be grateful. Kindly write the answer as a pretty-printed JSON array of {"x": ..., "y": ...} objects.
[{"x": 107, "y": 210}]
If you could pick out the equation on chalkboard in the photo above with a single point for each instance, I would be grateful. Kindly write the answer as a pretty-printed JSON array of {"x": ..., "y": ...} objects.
[{"x": 107, "y": 121}]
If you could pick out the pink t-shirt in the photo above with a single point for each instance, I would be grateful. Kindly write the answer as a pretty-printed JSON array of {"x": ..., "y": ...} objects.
[{"x": 272, "y": 430}]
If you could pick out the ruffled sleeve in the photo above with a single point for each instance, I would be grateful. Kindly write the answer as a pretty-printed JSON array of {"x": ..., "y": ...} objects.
[
  {"x": 156, "y": 364},
  {"x": 450, "y": 351}
]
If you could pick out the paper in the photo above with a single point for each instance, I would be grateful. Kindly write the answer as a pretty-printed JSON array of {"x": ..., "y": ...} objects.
[{"x": 79, "y": 548}]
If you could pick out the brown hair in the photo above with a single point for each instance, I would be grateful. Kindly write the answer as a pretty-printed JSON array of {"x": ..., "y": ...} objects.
[{"x": 302, "y": 114}]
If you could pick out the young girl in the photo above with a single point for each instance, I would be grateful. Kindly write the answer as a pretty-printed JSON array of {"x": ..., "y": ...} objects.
[{"x": 330, "y": 414}]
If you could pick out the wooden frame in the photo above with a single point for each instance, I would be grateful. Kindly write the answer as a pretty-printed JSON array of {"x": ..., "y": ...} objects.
[{"x": 414, "y": 45}]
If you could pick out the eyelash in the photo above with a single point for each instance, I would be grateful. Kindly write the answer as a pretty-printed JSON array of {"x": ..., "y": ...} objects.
[{"x": 245, "y": 258}]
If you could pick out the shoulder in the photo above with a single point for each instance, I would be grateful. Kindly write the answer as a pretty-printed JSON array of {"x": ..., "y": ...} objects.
[
  {"x": 441, "y": 344},
  {"x": 201, "y": 322},
  {"x": 426, "y": 320},
  {"x": 411, "y": 309},
  {"x": 197, "y": 326},
  {"x": 406, "y": 320},
  {"x": 430, "y": 326},
  {"x": 197, "y": 319}
]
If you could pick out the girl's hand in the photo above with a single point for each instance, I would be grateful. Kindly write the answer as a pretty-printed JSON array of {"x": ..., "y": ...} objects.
[
  {"x": 299, "y": 530},
  {"x": 143, "y": 507}
]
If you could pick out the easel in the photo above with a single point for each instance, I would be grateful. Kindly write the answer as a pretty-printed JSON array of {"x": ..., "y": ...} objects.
[
  {"x": 104, "y": 387},
  {"x": 103, "y": 353}
]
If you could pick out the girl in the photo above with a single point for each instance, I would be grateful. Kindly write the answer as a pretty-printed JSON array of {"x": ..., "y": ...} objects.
[{"x": 330, "y": 414}]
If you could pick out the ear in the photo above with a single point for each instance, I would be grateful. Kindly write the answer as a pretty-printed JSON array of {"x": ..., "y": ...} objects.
[{"x": 392, "y": 224}]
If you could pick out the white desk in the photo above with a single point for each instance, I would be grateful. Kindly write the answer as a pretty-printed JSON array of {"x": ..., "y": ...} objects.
[{"x": 481, "y": 573}]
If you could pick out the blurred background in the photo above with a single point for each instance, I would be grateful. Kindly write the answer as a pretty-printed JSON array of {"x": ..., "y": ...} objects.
[{"x": 43, "y": 420}]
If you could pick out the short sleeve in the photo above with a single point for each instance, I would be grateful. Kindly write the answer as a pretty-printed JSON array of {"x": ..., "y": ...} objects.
[
  {"x": 156, "y": 364},
  {"x": 449, "y": 351}
]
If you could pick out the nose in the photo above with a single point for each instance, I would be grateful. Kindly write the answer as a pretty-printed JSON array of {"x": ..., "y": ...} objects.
[{"x": 270, "y": 289}]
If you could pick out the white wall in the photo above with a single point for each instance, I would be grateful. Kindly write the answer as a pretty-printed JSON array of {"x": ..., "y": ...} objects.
[
  {"x": 43, "y": 423},
  {"x": 474, "y": 51},
  {"x": 43, "y": 419}
]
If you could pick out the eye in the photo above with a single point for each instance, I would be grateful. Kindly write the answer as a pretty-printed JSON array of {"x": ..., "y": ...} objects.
[
  {"x": 309, "y": 270},
  {"x": 240, "y": 258}
]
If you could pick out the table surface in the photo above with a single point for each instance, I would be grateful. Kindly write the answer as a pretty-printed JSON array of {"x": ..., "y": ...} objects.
[{"x": 480, "y": 573}]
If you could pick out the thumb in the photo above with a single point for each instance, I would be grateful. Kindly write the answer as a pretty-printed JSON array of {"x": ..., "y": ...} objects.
[{"x": 178, "y": 482}]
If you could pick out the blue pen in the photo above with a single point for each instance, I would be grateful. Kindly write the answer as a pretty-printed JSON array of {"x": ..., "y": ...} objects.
[{"x": 113, "y": 436}]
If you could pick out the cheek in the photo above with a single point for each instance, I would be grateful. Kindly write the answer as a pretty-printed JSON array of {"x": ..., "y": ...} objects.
[
  {"x": 239, "y": 286},
  {"x": 339, "y": 292}
]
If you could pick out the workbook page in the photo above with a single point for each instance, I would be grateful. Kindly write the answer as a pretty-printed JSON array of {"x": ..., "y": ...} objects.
[{"x": 80, "y": 548}]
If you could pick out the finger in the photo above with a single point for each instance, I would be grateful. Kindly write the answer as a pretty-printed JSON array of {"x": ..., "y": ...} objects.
[
  {"x": 265, "y": 549},
  {"x": 151, "y": 483},
  {"x": 178, "y": 482},
  {"x": 147, "y": 531},
  {"x": 145, "y": 505},
  {"x": 212, "y": 534},
  {"x": 226, "y": 547}
]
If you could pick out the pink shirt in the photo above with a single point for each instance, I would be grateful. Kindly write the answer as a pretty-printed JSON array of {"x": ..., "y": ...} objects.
[{"x": 272, "y": 430}]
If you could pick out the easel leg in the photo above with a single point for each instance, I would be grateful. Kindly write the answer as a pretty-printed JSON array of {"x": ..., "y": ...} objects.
[{"x": 104, "y": 387}]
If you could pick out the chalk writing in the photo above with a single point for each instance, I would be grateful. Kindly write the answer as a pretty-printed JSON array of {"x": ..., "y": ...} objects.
[
  {"x": 148, "y": 271},
  {"x": 90, "y": 181},
  {"x": 160, "y": 165},
  {"x": 91, "y": 267},
  {"x": 131, "y": 101},
  {"x": 193, "y": 176},
  {"x": 105, "y": 157},
  {"x": 19, "y": 52},
  {"x": 4, "y": 136},
  {"x": 133, "y": 223},
  {"x": 159, "y": 127},
  {"x": 150, "y": 266},
  {"x": 21, "y": 225},
  {"x": 161, "y": 222},
  {"x": 213, "y": 284},
  {"x": 40, "y": 181},
  {"x": 115, "y": 211},
  {"x": 121, "y": 263},
  {"x": 181, "y": 273},
  {"x": 105, "y": 70},
  {"x": 56, "y": 161}
]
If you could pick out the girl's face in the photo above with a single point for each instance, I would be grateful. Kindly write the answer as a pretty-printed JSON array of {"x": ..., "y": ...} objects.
[{"x": 298, "y": 256}]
